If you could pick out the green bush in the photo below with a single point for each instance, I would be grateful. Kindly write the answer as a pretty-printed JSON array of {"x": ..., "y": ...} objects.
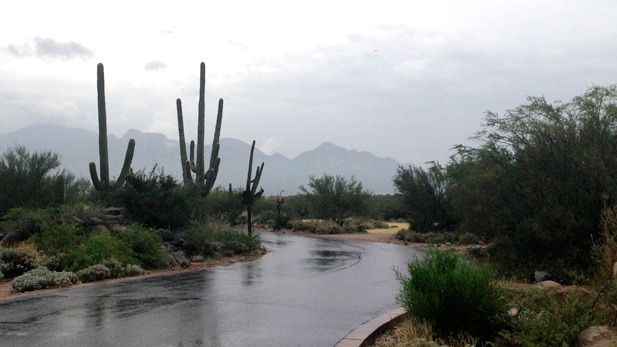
[
  {"x": 210, "y": 239},
  {"x": 468, "y": 239},
  {"x": 21, "y": 223},
  {"x": 98, "y": 247},
  {"x": 410, "y": 236},
  {"x": 544, "y": 321},
  {"x": 94, "y": 273},
  {"x": 109, "y": 268},
  {"x": 42, "y": 278},
  {"x": 157, "y": 200},
  {"x": 57, "y": 240},
  {"x": 238, "y": 242},
  {"x": 452, "y": 295},
  {"x": 16, "y": 261},
  {"x": 380, "y": 225},
  {"x": 146, "y": 246}
]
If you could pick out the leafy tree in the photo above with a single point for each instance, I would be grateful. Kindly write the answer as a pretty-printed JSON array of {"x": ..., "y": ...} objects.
[
  {"x": 423, "y": 193},
  {"x": 548, "y": 170},
  {"x": 26, "y": 178},
  {"x": 335, "y": 197}
]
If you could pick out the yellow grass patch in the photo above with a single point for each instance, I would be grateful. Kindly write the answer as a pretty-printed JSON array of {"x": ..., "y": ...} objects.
[{"x": 394, "y": 228}]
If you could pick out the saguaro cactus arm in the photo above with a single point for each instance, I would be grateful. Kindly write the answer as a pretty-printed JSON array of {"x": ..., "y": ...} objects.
[
  {"x": 186, "y": 173},
  {"x": 103, "y": 183}
]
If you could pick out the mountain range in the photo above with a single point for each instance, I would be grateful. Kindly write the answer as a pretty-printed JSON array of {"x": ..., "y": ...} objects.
[{"x": 77, "y": 147}]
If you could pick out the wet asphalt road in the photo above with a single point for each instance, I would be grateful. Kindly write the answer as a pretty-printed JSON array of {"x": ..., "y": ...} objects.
[{"x": 307, "y": 292}]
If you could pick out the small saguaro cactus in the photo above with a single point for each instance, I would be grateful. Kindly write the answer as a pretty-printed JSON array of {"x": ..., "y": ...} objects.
[
  {"x": 203, "y": 179},
  {"x": 104, "y": 184},
  {"x": 250, "y": 194}
]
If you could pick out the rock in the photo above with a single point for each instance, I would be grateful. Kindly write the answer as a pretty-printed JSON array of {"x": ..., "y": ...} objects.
[
  {"x": 117, "y": 228},
  {"x": 513, "y": 312},
  {"x": 198, "y": 259},
  {"x": 599, "y": 336},
  {"x": 581, "y": 294},
  {"x": 481, "y": 243},
  {"x": 448, "y": 244},
  {"x": 540, "y": 276},
  {"x": 165, "y": 234},
  {"x": 185, "y": 264},
  {"x": 548, "y": 285}
]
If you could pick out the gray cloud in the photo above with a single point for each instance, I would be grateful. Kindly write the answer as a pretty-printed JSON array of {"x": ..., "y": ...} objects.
[
  {"x": 49, "y": 48},
  {"x": 155, "y": 65}
]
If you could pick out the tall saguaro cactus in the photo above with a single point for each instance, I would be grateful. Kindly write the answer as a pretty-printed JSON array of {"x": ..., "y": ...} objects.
[
  {"x": 204, "y": 179},
  {"x": 104, "y": 184},
  {"x": 250, "y": 194}
]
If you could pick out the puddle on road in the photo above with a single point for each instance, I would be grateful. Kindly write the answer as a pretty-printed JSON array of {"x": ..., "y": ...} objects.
[{"x": 329, "y": 260}]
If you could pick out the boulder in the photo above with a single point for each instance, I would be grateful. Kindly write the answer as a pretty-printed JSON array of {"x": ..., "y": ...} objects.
[
  {"x": 599, "y": 336},
  {"x": 540, "y": 276}
]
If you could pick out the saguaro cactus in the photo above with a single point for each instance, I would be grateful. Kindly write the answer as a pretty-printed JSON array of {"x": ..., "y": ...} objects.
[
  {"x": 103, "y": 183},
  {"x": 250, "y": 194},
  {"x": 203, "y": 179}
]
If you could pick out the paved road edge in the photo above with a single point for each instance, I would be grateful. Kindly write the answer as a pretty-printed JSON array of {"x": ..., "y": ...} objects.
[{"x": 366, "y": 333}]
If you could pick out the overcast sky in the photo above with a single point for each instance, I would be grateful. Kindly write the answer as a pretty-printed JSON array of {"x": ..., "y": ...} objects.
[{"x": 406, "y": 79}]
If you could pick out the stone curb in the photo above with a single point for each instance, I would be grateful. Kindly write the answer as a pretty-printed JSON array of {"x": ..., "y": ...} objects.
[{"x": 366, "y": 333}]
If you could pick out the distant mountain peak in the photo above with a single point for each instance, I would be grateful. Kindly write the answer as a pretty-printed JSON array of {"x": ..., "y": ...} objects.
[{"x": 77, "y": 147}]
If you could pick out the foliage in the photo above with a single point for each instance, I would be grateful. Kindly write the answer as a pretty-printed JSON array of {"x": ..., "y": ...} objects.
[
  {"x": 539, "y": 182},
  {"x": 157, "y": 200},
  {"x": 452, "y": 295},
  {"x": 146, "y": 246},
  {"x": 57, "y": 240},
  {"x": 423, "y": 194},
  {"x": 209, "y": 239},
  {"x": 27, "y": 179},
  {"x": 96, "y": 248},
  {"x": 386, "y": 207},
  {"x": 42, "y": 278},
  {"x": 335, "y": 197},
  {"x": 109, "y": 268},
  {"x": 544, "y": 321},
  {"x": 16, "y": 261}
]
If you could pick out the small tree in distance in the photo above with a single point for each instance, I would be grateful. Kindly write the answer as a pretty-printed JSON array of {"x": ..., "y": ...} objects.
[{"x": 336, "y": 198}]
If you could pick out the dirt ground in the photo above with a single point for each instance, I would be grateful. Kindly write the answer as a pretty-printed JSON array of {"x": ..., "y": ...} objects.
[{"x": 6, "y": 293}]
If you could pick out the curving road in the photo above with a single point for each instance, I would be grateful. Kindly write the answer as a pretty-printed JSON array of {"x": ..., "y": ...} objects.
[{"x": 308, "y": 292}]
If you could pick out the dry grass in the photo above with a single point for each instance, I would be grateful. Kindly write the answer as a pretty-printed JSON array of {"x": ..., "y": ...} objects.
[
  {"x": 415, "y": 333},
  {"x": 392, "y": 230}
]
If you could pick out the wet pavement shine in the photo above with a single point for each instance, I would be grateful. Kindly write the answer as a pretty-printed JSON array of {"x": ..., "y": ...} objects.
[{"x": 307, "y": 292}]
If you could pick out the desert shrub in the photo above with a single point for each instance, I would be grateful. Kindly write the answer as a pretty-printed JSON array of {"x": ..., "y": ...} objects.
[
  {"x": 146, "y": 246},
  {"x": 543, "y": 321},
  {"x": 98, "y": 247},
  {"x": 57, "y": 240},
  {"x": 21, "y": 223},
  {"x": 411, "y": 236},
  {"x": 205, "y": 239},
  {"x": 468, "y": 239},
  {"x": 94, "y": 273},
  {"x": 238, "y": 242},
  {"x": 109, "y": 268},
  {"x": 354, "y": 226},
  {"x": 210, "y": 239},
  {"x": 157, "y": 200},
  {"x": 380, "y": 225},
  {"x": 16, "y": 261},
  {"x": 26, "y": 178},
  {"x": 133, "y": 270},
  {"x": 452, "y": 295},
  {"x": 297, "y": 225},
  {"x": 42, "y": 278}
]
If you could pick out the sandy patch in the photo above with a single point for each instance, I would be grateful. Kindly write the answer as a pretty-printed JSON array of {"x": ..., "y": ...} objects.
[
  {"x": 6, "y": 293},
  {"x": 392, "y": 230}
]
